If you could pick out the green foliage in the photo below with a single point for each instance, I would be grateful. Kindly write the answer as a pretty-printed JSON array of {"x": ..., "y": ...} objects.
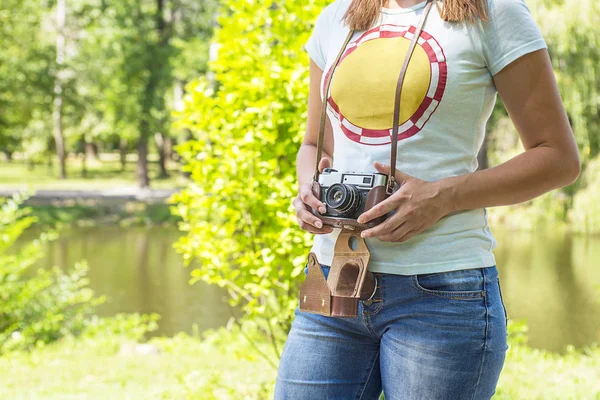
[
  {"x": 247, "y": 129},
  {"x": 36, "y": 307},
  {"x": 106, "y": 366},
  {"x": 571, "y": 30},
  {"x": 95, "y": 212},
  {"x": 131, "y": 326},
  {"x": 123, "y": 61},
  {"x": 25, "y": 82},
  {"x": 221, "y": 365},
  {"x": 585, "y": 213}
]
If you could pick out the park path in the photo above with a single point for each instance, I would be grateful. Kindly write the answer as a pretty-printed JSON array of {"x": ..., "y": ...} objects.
[{"x": 114, "y": 194}]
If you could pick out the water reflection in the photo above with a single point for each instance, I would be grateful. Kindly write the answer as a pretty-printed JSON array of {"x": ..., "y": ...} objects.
[
  {"x": 550, "y": 278},
  {"x": 138, "y": 270}
]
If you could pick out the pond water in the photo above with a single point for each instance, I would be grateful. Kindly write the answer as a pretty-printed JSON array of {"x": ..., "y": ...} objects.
[{"x": 551, "y": 279}]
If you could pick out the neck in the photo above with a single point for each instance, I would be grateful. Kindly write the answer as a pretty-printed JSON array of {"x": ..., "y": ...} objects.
[{"x": 402, "y": 3}]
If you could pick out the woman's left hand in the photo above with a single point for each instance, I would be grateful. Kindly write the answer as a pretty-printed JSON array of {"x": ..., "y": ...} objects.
[{"x": 418, "y": 204}]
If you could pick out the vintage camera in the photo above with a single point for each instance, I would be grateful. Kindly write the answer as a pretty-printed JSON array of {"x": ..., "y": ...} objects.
[{"x": 347, "y": 195}]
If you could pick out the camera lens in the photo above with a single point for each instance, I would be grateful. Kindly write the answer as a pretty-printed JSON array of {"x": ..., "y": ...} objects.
[{"x": 343, "y": 198}]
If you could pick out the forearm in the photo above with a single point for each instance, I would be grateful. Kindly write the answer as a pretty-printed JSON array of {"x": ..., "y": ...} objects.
[
  {"x": 306, "y": 161},
  {"x": 522, "y": 178}
]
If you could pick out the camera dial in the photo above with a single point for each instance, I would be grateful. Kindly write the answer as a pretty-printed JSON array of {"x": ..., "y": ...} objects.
[{"x": 342, "y": 198}]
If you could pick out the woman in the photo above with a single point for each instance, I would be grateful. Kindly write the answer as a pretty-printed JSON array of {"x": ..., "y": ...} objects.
[{"x": 436, "y": 326}]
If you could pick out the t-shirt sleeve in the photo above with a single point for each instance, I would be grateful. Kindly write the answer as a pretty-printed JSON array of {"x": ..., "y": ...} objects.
[
  {"x": 316, "y": 43},
  {"x": 510, "y": 33}
]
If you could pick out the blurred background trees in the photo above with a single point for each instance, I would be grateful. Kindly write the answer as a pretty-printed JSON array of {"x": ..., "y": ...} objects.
[
  {"x": 135, "y": 90},
  {"x": 84, "y": 76},
  {"x": 85, "y": 79}
]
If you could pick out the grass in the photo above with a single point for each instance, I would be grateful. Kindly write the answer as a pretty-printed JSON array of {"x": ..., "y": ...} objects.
[
  {"x": 131, "y": 213},
  {"x": 101, "y": 174},
  {"x": 107, "y": 368},
  {"x": 228, "y": 368}
]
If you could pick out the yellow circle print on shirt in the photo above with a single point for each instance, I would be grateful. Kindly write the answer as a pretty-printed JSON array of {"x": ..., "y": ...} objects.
[{"x": 363, "y": 87}]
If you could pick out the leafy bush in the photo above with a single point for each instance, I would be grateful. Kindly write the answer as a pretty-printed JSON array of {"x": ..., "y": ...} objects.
[
  {"x": 36, "y": 307},
  {"x": 247, "y": 129},
  {"x": 585, "y": 213}
]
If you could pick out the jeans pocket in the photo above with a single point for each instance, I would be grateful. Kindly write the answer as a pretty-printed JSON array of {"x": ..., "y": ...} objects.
[
  {"x": 502, "y": 302},
  {"x": 462, "y": 284}
]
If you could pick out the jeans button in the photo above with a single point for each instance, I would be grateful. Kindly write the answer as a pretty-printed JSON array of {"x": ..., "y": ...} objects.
[{"x": 368, "y": 302}]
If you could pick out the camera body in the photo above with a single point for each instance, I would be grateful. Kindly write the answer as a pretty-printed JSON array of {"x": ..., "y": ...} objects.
[{"x": 347, "y": 195}]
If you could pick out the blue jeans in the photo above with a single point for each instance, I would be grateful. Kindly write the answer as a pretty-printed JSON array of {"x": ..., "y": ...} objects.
[{"x": 423, "y": 337}]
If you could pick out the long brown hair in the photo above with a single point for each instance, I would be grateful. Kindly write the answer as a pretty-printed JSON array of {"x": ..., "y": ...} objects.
[{"x": 361, "y": 14}]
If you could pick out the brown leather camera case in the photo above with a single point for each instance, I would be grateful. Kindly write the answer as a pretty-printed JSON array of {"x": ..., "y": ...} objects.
[{"x": 348, "y": 281}]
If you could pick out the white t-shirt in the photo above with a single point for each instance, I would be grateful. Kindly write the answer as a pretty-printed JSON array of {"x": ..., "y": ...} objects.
[{"x": 447, "y": 99}]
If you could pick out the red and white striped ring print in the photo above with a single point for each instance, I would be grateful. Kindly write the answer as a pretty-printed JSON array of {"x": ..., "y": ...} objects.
[{"x": 435, "y": 91}]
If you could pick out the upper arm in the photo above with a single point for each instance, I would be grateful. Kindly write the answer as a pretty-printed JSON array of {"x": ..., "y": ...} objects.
[
  {"x": 314, "y": 113},
  {"x": 516, "y": 55},
  {"x": 530, "y": 94},
  {"x": 316, "y": 47}
]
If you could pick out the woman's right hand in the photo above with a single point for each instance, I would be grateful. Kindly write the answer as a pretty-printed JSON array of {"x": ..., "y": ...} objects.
[{"x": 305, "y": 199}]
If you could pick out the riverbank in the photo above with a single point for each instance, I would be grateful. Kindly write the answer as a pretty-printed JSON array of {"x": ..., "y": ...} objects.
[
  {"x": 225, "y": 366},
  {"x": 127, "y": 206},
  {"x": 59, "y": 197},
  {"x": 106, "y": 194}
]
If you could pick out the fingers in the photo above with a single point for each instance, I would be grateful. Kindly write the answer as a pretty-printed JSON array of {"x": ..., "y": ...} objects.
[
  {"x": 399, "y": 234},
  {"x": 380, "y": 209},
  {"x": 399, "y": 176},
  {"x": 305, "y": 226},
  {"x": 385, "y": 228},
  {"x": 324, "y": 163},
  {"x": 391, "y": 202},
  {"x": 308, "y": 221},
  {"x": 308, "y": 197},
  {"x": 304, "y": 215}
]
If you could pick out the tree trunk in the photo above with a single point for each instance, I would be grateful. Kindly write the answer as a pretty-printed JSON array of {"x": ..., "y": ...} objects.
[
  {"x": 188, "y": 137},
  {"x": 155, "y": 67},
  {"x": 84, "y": 164},
  {"x": 91, "y": 150},
  {"x": 161, "y": 145},
  {"x": 123, "y": 153},
  {"x": 142, "y": 164},
  {"x": 169, "y": 148},
  {"x": 84, "y": 154},
  {"x": 61, "y": 8}
]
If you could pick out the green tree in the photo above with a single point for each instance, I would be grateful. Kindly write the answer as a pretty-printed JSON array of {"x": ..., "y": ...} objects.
[
  {"x": 147, "y": 48},
  {"x": 37, "y": 306},
  {"x": 26, "y": 81},
  {"x": 97, "y": 71},
  {"x": 247, "y": 128}
]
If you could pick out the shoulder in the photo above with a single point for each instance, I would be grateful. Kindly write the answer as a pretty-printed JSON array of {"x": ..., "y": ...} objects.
[
  {"x": 334, "y": 11},
  {"x": 510, "y": 32},
  {"x": 507, "y": 15},
  {"x": 504, "y": 8}
]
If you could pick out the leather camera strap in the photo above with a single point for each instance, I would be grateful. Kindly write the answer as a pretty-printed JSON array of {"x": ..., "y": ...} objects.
[{"x": 394, "y": 139}]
